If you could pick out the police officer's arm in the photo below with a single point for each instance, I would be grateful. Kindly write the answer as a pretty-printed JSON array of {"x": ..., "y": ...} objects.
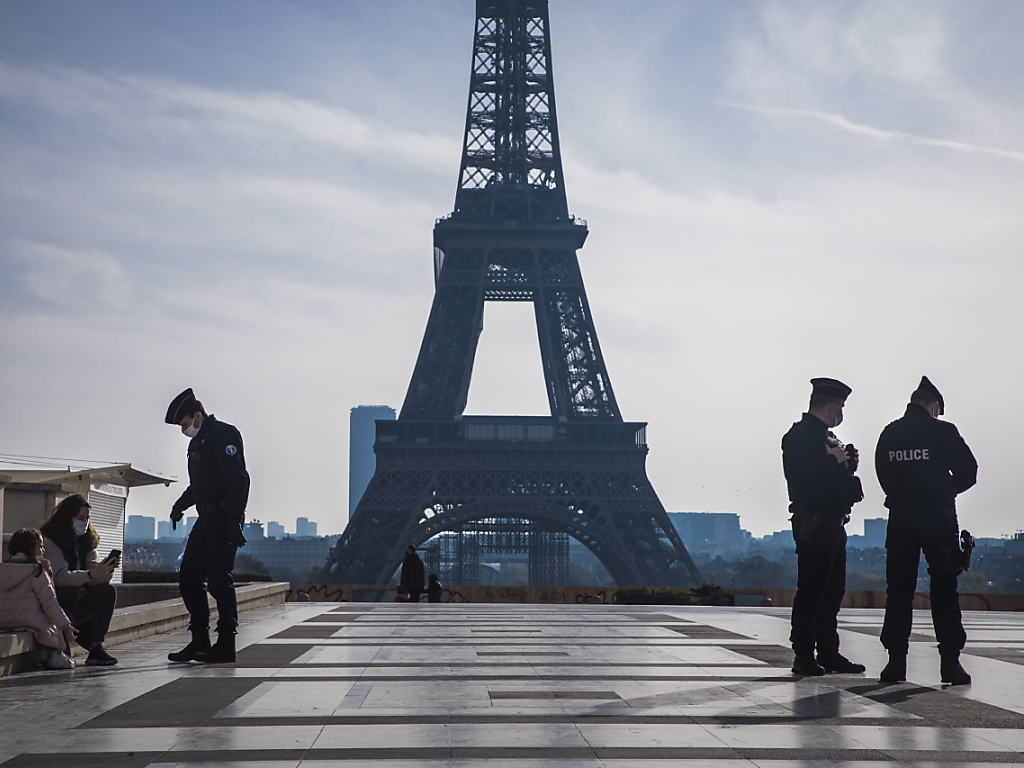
[
  {"x": 231, "y": 462},
  {"x": 805, "y": 462},
  {"x": 184, "y": 501},
  {"x": 962, "y": 465},
  {"x": 881, "y": 465}
]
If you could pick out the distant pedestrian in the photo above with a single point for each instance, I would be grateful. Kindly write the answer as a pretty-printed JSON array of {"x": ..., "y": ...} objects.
[
  {"x": 412, "y": 577},
  {"x": 922, "y": 464},
  {"x": 219, "y": 489},
  {"x": 822, "y": 490},
  {"x": 434, "y": 589}
]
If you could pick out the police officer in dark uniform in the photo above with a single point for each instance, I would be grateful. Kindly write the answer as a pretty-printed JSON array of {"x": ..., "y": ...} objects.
[
  {"x": 219, "y": 489},
  {"x": 822, "y": 490},
  {"x": 922, "y": 464}
]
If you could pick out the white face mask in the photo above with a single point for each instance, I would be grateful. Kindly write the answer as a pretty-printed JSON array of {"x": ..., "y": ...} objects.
[
  {"x": 81, "y": 527},
  {"x": 193, "y": 430}
]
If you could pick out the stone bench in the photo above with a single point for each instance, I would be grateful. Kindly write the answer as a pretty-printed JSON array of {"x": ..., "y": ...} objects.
[{"x": 18, "y": 649}]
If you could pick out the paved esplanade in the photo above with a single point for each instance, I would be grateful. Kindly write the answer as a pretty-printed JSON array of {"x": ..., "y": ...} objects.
[{"x": 322, "y": 684}]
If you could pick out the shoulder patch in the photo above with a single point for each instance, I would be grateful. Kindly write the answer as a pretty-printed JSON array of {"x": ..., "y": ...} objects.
[{"x": 230, "y": 450}]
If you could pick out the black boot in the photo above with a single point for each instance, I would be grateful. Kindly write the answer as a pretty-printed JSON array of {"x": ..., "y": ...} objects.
[
  {"x": 222, "y": 652},
  {"x": 951, "y": 672},
  {"x": 200, "y": 643},
  {"x": 896, "y": 670},
  {"x": 804, "y": 664},
  {"x": 836, "y": 662}
]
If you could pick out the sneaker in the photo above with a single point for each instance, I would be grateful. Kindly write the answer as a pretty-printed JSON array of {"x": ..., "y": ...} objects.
[
  {"x": 98, "y": 657},
  {"x": 806, "y": 665},
  {"x": 57, "y": 659},
  {"x": 836, "y": 662}
]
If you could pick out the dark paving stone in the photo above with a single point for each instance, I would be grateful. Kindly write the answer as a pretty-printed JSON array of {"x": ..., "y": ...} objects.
[
  {"x": 265, "y": 655},
  {"x": 300, "y": 631},
  {"x": 707, "y": 633},
  {"x": 84, "y": 760},
  {"x": 563, "y": 694},
  {"x": 205, "y": 697},
  {"x": 1011, "y": 655},
  {"x": 337, "y": 618},
  {"x": 935, "y": 706},
  {"x": 775, "y": 655},
  {"x": 654, "y": 617},
  {"x": 522, "y": 653}
]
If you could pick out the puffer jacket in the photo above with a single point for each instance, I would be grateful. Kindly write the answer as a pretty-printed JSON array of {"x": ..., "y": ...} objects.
[{"x": 29, "y": 601}]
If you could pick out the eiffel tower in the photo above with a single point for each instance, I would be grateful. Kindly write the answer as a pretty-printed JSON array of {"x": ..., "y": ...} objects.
[{"x": 580, "y": 471}]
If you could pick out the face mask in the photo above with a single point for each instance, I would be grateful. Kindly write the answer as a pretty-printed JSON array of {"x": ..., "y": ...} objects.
[
  {"x": 839, "y": 419},
  {"x": 81, "y": 527},
  {"x": 193, "y": 430}
]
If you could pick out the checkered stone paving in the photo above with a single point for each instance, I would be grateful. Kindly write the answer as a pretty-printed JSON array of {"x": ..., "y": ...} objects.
[{"x": 352, "y": 685}]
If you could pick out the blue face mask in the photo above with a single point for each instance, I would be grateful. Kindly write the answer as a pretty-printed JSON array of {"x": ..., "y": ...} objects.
[{"x": 839, "y": 419}]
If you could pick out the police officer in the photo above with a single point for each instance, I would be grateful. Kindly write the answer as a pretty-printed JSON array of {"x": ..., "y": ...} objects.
[
  {"x": 822, "y": 489},
  {"x": 922, "y": 464},
  {"x": 219, "y": 489}
]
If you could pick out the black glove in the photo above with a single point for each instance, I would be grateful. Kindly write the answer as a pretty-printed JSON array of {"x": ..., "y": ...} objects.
[
  {"x": 235, "y": 536},
  {"x": 177, "y": 512},
  {"x": 852, "y": 457}
]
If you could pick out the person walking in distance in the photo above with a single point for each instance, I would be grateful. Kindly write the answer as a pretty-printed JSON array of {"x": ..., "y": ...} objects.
[
  {"x": 413, "y": 574},
  {"x": 219, "y": 489},
  {"x": 822, "y": 488},
  {"x": 922, "y": 464}
]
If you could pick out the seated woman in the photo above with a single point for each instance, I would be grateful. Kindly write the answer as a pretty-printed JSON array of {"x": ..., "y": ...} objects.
[
  {"x": 83, "y": 584},
  {"x": 28, "y": 601}
]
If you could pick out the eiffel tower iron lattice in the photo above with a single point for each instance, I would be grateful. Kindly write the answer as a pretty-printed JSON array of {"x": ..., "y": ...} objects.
[{"x": 580, "y": 471}]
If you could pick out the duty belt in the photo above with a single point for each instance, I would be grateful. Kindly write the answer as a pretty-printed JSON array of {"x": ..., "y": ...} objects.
[
  {"x": 212, "y": 506},
  {"x": 834, "y": 522}
]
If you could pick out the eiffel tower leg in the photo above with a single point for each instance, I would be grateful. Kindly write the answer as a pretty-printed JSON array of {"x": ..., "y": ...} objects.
[{"x": 440, "y": 382}]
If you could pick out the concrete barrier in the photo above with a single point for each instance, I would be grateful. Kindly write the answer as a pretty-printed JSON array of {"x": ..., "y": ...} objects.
[{"x": 18, "y": 649}]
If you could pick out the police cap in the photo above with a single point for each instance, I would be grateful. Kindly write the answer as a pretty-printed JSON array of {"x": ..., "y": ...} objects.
[
  {"x": 183, "y": 405},
  {"x": 830, "y": 387},
  {"x": 927, "y": 390}
]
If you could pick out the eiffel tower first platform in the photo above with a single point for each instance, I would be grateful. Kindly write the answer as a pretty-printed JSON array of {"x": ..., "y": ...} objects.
[{"x": 580, "y": 471}]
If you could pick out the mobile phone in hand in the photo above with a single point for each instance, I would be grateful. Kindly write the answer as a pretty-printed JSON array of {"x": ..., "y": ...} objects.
[{"x": 114, "y": 554}]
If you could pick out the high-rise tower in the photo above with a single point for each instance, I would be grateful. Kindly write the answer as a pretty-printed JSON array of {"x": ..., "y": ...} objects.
[{"x": 580, "y": 471}]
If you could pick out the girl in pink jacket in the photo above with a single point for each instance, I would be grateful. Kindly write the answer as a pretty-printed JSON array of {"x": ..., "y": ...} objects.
[{"x": 29, "y": 601}]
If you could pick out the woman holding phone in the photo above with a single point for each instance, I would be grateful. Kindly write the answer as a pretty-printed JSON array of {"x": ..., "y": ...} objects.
[{"x": 83, "y": 583}]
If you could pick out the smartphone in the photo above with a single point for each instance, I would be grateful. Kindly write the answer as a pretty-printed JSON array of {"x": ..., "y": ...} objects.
[{"x": 114, "y": 554}]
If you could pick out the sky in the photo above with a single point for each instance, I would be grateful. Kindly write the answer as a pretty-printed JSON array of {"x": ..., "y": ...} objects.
[{"x": 239, "y": 198}]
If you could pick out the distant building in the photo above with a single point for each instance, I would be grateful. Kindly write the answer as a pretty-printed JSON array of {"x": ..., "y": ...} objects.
[
  {"x": 285, "y": 556},
  {"x": 275, "y": 530},
  {"x": 140, "y": 528},
  {"x": 362, "y": 433},
  {"x": 165, "y": 532},
  {"x": 305, "y": 528},
  {"x": 714, "y": 533},
  {"x": 254, "y": 530}
]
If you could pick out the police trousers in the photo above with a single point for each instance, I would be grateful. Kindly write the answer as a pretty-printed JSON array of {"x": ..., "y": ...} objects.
[
  {"x": 820, "y": 586},
  {"x": 911, "y": 531},
  {"x": 207, "y": 563}
]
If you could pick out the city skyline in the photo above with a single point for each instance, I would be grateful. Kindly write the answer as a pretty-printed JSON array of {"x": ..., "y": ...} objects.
[{"x": 243, "y": 204}]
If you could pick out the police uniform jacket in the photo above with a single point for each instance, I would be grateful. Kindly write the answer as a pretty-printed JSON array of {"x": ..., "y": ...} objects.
[
  {"x": 816, "y": 481},
  {"x": 921, "y": 461},
  {"x": 218, "y": 482}
]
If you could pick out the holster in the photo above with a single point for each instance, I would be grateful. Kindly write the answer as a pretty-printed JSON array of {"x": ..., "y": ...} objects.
[{"x": 805, "y": 525}]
